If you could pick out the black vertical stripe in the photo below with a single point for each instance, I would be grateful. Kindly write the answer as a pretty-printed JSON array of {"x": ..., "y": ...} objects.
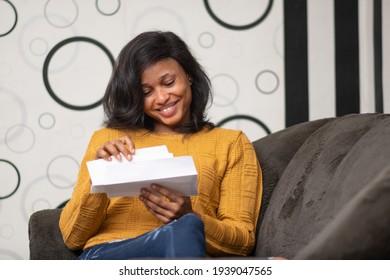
[
  {"x": 378, "y": 67},
  {"x": 347, "y": 57},
  {"x": 296, "y": 61}
]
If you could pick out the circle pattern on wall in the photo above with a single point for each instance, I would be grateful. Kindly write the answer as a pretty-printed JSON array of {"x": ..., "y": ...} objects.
[
  {"x": 226, "y": 89},
  {"x": 7, "y": 231},
  {"x": 25, "y": 140},
  {"x": 46, "y": 70},
  {"x": 12, "y": 112},
  {"x": 107, "y": 5},
  {"x": 11, "y": 176},
  {"x": 206, "y": 40},
  {"x": 60, "y": 169},
  {"x": 47, "y": 120},
  {"x": 267, "y": 81},
  {"x": 173, "y": 21},
  {"x": 244, "y": 117},
  {"x": 27, "y": 43},
  {"x": 238, "y": 27},
  {"x": 67, "y": 8},
  {"x": 38, "y": 46},
  {"x": 4, "y": 14},
  {"x": 35, "y": 195}
]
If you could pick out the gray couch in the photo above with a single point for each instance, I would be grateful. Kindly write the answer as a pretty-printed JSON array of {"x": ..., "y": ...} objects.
[{"x": 326, "y": 193}]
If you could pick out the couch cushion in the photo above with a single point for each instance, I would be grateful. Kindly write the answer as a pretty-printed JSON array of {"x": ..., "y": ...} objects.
[
  {"x": 328, "y": 170},
  {"x": 362, "y": 228}
]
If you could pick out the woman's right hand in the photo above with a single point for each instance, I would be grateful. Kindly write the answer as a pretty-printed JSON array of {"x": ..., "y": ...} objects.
[{"x": 115, "y": 148}]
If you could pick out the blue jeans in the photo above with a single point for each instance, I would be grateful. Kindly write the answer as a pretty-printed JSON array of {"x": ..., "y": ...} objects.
[{"x": 182, "y": 238}]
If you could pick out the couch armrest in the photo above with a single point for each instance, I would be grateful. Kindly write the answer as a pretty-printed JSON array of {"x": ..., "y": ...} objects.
[
  {"x": 275, "y": 151},
  {"x": 45, "y": 237},
  {"x": 361, "y": 229}
]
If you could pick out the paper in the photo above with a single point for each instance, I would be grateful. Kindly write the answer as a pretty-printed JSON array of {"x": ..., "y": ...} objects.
[{"x": 149, "y": 165}]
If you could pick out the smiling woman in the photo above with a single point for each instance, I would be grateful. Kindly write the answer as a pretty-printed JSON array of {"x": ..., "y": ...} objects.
[{"x": 157, "y": 95}]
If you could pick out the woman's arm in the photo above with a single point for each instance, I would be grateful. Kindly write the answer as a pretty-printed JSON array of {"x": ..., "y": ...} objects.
[
  {"x": 233, "y": 232},
  {"x": 84, "y": 214}
]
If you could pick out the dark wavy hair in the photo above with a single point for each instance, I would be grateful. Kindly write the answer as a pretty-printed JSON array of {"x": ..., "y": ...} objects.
[{"x": 123, "y": 101}]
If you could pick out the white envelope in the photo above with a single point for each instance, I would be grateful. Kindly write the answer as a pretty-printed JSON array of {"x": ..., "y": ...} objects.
[{"x": 149, "y": 165}]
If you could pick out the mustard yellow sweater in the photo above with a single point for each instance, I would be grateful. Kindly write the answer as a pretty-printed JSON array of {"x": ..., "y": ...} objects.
[{"x": 228, "y": 200}]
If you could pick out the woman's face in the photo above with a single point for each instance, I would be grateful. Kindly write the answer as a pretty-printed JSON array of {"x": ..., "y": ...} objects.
[{"x": 167, "y": 95}]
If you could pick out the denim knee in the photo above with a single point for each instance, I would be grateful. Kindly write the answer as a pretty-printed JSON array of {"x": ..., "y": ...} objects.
[{"x": 192, "y": 219}]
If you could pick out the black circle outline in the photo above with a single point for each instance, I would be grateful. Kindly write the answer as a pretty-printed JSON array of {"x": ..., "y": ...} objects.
[
  {"x": 16, "y": 19},
  {"x": 238, "y": 27},
  {"x": 46, "y": 67},
  {"x": 17, "y": 184},
  {"x": 277, "y": 81},
  {"x": 107, "y": 14},
  {"x": 244, "y": 117}
]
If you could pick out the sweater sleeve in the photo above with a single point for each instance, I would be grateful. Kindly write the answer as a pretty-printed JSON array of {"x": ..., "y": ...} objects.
[
  {"x": 85, "y": 212},
  {"x": 233, "y": 232}
]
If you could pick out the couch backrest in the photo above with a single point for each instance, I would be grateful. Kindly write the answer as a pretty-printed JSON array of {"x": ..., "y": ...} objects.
[{"x": 314, "y": 170}]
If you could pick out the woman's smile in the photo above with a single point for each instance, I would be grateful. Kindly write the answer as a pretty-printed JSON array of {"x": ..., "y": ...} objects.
[{"x": 169, "y": 110}]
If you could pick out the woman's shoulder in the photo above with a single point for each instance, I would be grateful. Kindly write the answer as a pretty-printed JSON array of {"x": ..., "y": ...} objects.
[
  {"x": 105, "y": 132},
  {"x": 220, "y": 133},
  {"x": 224, "y": 131},
  {"x": 112, "y": 133}
]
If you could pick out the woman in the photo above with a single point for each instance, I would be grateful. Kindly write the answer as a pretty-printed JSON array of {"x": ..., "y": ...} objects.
[{"x": 157, "y": 95}]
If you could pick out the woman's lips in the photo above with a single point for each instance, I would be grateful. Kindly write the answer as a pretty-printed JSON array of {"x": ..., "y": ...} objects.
[{"x": 169, "y": 110}]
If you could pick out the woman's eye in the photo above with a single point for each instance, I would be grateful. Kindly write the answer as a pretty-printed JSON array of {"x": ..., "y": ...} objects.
[
  {"x": 170, "y": 83},
  {"x": 147, "y": 92}
]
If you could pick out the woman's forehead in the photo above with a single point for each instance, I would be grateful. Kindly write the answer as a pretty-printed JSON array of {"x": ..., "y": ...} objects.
[{"x": 162, "y": 69}]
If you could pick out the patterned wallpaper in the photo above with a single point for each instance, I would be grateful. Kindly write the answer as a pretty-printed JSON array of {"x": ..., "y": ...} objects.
[{"x": 56, "y": 57}]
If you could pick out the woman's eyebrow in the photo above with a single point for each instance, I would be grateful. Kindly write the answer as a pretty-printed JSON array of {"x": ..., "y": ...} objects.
[
  {"x": 161, "y": 78},
  {"x": 166, "y": 75}
]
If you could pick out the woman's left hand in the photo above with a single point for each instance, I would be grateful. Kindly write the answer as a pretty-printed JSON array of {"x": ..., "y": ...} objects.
[{"x": 164, "y": 204}]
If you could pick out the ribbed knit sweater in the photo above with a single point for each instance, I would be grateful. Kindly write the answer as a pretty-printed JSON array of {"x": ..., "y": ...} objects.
[{"x": 228, "y": 200}]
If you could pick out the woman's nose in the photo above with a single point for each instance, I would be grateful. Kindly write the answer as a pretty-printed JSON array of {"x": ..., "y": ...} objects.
[{"x": 162, "y": 95}]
